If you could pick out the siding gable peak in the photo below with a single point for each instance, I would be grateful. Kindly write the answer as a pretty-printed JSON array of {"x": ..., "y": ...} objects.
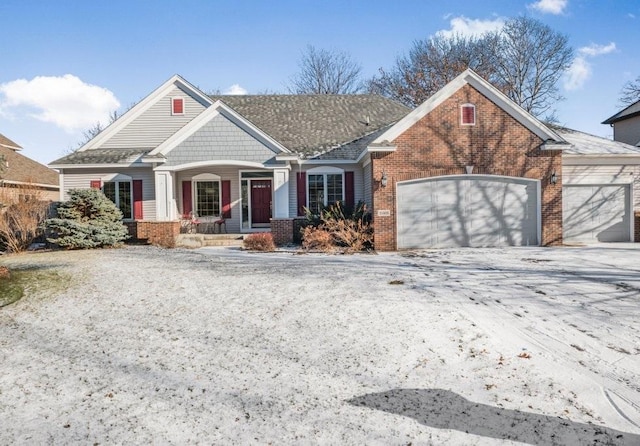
[
  {"x": 217, "y": 108},
  {"x": 144, "y": 105}
]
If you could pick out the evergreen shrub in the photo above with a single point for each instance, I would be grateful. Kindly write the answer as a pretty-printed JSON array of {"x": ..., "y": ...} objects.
[{"x": 87, "y": 220}]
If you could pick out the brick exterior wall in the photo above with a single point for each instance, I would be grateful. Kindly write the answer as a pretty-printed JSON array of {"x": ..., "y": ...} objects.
[
  {"x": 636, "y": 226},
  {"x": 282, "y": 231},
  {"x": 439, "y": 145},
  {"x": 160, "y": 233}
]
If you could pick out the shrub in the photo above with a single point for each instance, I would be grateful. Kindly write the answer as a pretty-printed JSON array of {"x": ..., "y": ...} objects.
[
  {"x": 22, "y": 214},
  {"x": 87, "y": 220},
  {"x": 337, "y": 227},
  {"x": 260, "y": 241},
  {"x": 316, "y": 238}
]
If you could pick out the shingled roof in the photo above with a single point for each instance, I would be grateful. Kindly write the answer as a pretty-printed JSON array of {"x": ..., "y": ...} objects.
[
  {"x": 314, "y": 125},
  {"x": 6, "y": 142},
  {"x": 20, "y": 169},
  {"x": 629, "y": 112},
  {"x": 101, "y": 156},
  {"x": 581, "y": 143}
]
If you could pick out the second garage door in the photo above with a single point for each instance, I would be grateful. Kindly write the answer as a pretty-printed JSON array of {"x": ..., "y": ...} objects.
[
  {"x": 467, "y": 210},
  {"x": 596, "y": 213}
]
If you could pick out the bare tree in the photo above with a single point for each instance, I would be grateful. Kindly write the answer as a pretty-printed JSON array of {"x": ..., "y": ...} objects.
[
  {"x": 326, "y": 72},
  {"x": 525, "y": 60},
  {"x": 532, "y": 58},
  {"x": 433, "y": 62},
  {"x": 630, "y": 93},
  {"x": 97, "y": 128}
]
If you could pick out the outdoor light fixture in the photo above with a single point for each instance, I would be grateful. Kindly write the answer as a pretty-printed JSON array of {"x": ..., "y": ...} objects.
[
  {"x": 383, "y": 179},
  {"x": 554, "y": 178}
]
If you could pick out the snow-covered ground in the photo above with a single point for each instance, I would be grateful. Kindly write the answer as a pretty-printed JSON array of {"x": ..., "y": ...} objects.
[{"x": 219, "y": 346}]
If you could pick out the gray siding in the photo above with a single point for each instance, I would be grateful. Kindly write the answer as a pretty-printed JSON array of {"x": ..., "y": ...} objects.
[
  {"x": 219, "y": 139},
  {"x": 368, "y": 185},
  {"x": 83, "y": 180},
  {"x": 627, "y": 131},
  {"x": 156, "y": 124}
]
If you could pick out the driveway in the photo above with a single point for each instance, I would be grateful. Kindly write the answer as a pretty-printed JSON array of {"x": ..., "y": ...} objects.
[{"x": 221, "y": 346}]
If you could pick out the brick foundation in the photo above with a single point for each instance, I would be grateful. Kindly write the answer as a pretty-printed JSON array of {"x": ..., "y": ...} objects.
[
  {"x": 282, "y": 231},
  {"x": 160, "y": 233},
  {"x": 439, "y": 145}
]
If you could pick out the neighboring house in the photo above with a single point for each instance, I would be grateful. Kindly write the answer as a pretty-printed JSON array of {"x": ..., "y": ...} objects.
[
  {"x": 466, "y": 168},
  {"x": 626, "y": 125},
  {"x": 20, "y": 175}
]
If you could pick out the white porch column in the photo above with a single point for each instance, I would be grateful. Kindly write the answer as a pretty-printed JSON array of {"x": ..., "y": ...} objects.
[
  {"x": 281, "y": 193},
  {"x": 165, "y": 200}
]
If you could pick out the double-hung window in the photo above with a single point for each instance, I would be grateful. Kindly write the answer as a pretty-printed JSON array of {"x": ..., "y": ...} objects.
[
  {"x": 120, "y": 193},
  {"x": 324, "y": 188}
]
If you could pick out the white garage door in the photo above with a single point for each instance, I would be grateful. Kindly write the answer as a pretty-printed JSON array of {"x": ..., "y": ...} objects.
[
  {"x": 467, "y": 210},
  {"x": 596, "y": 213}
]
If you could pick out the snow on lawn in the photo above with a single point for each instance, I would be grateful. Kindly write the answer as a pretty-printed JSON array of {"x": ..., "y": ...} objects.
[{"x": 220, "y": 346}]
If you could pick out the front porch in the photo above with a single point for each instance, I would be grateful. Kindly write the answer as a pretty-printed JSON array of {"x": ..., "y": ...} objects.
[{"x": 172, "y": 234}]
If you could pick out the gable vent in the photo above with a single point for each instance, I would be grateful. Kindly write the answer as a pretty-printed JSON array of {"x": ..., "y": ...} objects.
[
  {"x": 177, "y": 106},
  {"x": 468, "y": 114}
]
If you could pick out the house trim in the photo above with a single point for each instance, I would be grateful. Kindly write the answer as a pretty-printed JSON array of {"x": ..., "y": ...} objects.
[{"x": 198, "y": 164}]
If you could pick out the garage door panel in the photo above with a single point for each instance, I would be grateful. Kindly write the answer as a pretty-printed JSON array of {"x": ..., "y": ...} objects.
[
  {"x": 596, "y": 213},
  {"x": 467, "y": 211}
]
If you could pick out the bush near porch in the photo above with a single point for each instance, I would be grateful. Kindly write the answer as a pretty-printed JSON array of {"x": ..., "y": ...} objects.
[{"x": 339, "y": 229}]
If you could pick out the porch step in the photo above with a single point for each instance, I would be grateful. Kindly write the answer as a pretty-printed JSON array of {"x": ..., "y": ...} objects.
[{"x": 200, "y": 240}]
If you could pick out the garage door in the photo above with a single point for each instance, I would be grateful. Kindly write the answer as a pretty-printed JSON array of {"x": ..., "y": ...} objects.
[
  {"x": 596, "y": 213},
  {"x": 467, "y": 210}
]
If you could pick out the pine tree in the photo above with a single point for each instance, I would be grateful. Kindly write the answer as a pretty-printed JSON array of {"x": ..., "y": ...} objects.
[{"x": 87, "y": 220}]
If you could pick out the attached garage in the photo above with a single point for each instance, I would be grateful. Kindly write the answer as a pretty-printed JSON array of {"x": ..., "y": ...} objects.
[
  {"x": 597, "y": 213},
  {"x": 468, "y": 210}
]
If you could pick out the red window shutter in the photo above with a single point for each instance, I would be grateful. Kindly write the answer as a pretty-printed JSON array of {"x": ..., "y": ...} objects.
[
  {"x": 137, "y": 199},
  {"x": 226, "y": 199},
  {"x": 349, "y": 193},
  {"x": 177, "y": 107},
  {"x": 187, "y": 202},
  {"x": 96, "y": 184},
  {"x": 302, "y": 191},
  {"x": 468, "y": 114}
]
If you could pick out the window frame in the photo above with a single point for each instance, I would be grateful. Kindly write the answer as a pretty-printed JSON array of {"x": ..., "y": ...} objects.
[
  {"x": 116, "y": 182},
  {"x": 462, "y": 114},
  {"x": 206, "y": 178},
  {"x": 324, "y": 172}
]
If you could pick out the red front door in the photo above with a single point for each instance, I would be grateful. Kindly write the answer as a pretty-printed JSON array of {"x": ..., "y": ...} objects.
[{"x": 260, "y": 201}]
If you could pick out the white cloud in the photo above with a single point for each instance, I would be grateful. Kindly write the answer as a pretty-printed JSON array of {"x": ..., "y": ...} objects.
[
  {"x": 66, "y": 101},
  {"x": 471, "y": 27},
  {"x": 235, "y": 89},
  {"x": 580, "y": 70},
  {"x": 596, "y": 50},
  {"x": 578, "y": 74},
  {"x": 631, "y": 15},
  {"x": 550, "y": 6}
]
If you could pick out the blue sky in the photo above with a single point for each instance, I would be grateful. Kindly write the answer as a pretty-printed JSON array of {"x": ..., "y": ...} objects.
[{"x": 66, "y": 64}]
